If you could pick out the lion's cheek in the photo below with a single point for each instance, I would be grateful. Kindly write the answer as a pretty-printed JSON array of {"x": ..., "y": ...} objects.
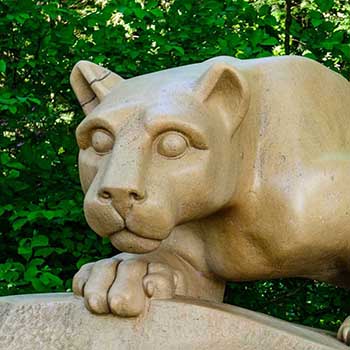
[
  {"x": 101, "y": 217},
  {"x": 194, "y": 195},
  {"x": 88, "y": 167}
]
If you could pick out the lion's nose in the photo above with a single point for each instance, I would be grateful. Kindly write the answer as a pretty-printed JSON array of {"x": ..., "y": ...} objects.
[
  {"x": 122, "y": 176},
  {"x": 120, "y": 196}
]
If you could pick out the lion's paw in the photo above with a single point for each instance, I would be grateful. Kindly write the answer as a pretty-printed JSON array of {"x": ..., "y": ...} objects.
[
  {"x": 123, "y": 286},
  {"x": 344, "y": 331}
]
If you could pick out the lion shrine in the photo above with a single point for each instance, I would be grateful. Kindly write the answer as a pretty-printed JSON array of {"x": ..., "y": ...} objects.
[{"x": 225, "y": 170}]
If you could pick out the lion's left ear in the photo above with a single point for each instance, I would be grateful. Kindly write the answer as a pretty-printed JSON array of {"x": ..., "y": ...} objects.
[
  {"x": 224, "y": 88},
  {"x": 92, "y": 83}
]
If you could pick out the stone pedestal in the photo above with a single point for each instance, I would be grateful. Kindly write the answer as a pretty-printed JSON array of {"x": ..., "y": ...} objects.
[{"x": 60, "y": 321}]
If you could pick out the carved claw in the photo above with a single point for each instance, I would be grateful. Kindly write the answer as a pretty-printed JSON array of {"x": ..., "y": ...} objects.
[
  {"x": 122, "y": 287},
  {"x": 344, "y": 331}
]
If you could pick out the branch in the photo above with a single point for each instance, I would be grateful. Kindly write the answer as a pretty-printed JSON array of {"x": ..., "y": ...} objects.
[{"x": 288, "y": 23}]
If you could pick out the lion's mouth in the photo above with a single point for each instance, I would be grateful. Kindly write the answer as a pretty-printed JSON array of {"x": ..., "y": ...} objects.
[{"x": 128, "y": 241}]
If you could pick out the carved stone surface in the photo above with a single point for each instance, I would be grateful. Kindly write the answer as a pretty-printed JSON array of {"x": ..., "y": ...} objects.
[
  {"x": 60, "y": 322},
  {"x": 222, "y": 170}
]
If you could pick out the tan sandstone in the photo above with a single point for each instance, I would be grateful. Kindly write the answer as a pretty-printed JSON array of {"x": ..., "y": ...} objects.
[
  {"x": 225, "y": 170},
  {"x": 60, "y": 321}
]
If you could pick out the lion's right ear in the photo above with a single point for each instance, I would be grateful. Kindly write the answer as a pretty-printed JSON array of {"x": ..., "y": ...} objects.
[
  {"x": 92, "y": 83},
  {"x": 225, "y": 87}
]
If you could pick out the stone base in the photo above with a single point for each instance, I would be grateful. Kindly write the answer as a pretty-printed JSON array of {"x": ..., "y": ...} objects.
[{"x": 60, "y": 321}]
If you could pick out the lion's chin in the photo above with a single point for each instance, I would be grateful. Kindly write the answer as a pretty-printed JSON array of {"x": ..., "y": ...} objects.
[{"x": 127, "y": 241}]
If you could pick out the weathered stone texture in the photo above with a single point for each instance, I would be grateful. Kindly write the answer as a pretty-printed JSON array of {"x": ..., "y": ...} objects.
[{"x": 61, "y": 322}]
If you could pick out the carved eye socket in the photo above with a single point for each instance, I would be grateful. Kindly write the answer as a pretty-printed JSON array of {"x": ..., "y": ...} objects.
[
  {"x": 172, "y": 145},
  {"x": 102, "y": 141}
]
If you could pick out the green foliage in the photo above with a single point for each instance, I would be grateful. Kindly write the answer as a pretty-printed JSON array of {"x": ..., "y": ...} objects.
[
  {"x": 311, "y": 303},
  {"x": 43, "y": 234}
]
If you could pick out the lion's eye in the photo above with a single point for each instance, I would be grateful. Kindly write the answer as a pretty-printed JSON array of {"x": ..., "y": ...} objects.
[
  {"x": 102, "y": 141},
  {"x": 172, "y": 145}
]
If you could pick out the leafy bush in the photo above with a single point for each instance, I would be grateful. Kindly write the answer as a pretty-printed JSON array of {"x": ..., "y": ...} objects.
[{"x": 43, "y": 234}]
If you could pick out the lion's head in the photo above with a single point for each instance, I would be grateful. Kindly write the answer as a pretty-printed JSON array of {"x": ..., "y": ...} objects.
[{"x": 157, "y": 150}]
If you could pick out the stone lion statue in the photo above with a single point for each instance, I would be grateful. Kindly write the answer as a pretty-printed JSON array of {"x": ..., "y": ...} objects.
[{"x": 225, "y": 170}]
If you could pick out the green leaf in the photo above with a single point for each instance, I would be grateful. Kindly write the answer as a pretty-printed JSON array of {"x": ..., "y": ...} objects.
[
  {"x": 187, "y": 5},
  {"x": 139, "y": 13},
  {"x": 26, "y": 252},
  {"x": 38, "y": 285},
  {"x": 264, "y": 10},
  {"x": 12, "y": 109},
  {"x": 49, "y": 278},
  {"x": 4, "y": 158},
  {"x": 34, "y": 100},
  {"x": 345, "y": 48},
  {"x": 316, "y": 21},
  {"x": 36, "y": 262},
  {"x": 2, "y": 66},
  {"x": 19, "y": 223},
  {"x": 34, "y": 215},
  {"x": 50, "y": 214},
  {"x": 5, "y": 208},
  {"x": 39, "y": 241},
  {"x": 157, "y": 12},
  {"x": 44, "y": 252},
  {"x": 179, "y": 49},
  {"x": 269, "y": 41},
  {"x": 325, "y": 5},
  {"x": 13, "y": 174},
  {"x": 24, "y": 248},
  {"x": 16, "y": 165}
]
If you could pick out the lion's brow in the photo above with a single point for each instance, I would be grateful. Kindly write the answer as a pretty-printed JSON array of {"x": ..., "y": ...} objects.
[{"x": 107, "y": 118}]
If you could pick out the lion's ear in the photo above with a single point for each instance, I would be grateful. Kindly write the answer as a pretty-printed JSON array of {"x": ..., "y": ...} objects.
[
  {"x": 91, "y": 83},
  {"x": 224, "y": 88}
]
